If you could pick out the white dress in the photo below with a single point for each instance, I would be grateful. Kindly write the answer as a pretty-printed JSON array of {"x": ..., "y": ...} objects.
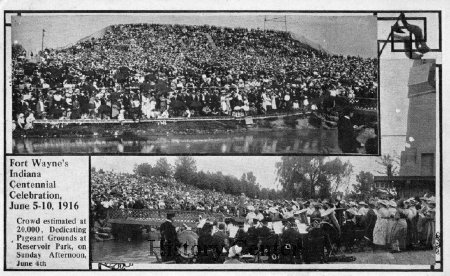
[
  {"x": 223, "y": 103},
  {"x": 266, "y": 101},
  {"x": 274, "y": 103},
  {"x": 146, "y": 106},
  {"x": 380, "y": 231}
]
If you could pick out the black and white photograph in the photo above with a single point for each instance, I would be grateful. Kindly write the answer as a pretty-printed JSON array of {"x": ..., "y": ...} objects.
[
  {"x": 292, "y": 210},
  {"x": 229, "y": 137},
  {"x": 218, "y": 83}
]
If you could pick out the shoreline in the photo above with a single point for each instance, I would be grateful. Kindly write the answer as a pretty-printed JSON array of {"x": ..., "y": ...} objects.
[{"x": 163, "y": 128}]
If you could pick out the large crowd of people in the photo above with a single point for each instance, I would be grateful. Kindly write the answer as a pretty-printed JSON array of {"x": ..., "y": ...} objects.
[
  {"x": 292, "y": 231},
  {"x": 136, "y": 71},
  {"x": 117, "y": 190}
]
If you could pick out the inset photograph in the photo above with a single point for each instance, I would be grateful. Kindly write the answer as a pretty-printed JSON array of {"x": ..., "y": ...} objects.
[
  {"x": 218, "y": 83},
  {"x": 291, "y": 210}
]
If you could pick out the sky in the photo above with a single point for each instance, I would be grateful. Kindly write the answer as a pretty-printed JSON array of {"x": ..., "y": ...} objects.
[
  {"x": 263, "y": 167},
  {"x": 349, "y": 35}
]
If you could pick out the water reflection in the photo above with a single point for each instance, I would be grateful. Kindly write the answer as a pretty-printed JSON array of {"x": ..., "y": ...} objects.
[
  {"x": 309, "y": 141},
  {"x": 122, "y": 251}
]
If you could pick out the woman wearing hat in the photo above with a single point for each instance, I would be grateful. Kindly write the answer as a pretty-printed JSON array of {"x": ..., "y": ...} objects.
[
  {"x": 380, "y": 231},
  {"x": 420, "y": 216},
  {"x": 399, "y": 230},
  {"x": 233, "y": 255},
  {"x": 411, "y": 222},
  {"x": 316, "y": 215},
  {"x": 429, "y": 228},
  {"x": 224, "y": 102},
  {"x": 392, "y": 207}
]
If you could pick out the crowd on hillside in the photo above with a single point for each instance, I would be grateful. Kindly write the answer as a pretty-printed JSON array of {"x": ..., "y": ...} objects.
[
  {"x": 117, "y": 190},
  {"x": 386, "y": 223},
  {"x": 158, "y": 71}
]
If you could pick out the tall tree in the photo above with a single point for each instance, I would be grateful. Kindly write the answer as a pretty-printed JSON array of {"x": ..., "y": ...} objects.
[
  {"x": 185, "y": 169},
  {"x": 144, "y": 169},
  {"x": 17, "y": 50},
  {"x": 307, "y": 176},
  {"x": 364, "y": 185},
  {"x": 162, "y": 168},
  {"x": 336, "y": 172}
]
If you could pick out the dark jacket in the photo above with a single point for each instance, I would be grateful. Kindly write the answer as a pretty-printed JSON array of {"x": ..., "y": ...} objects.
[
  {"x": 346, "y": 135},
  {"x": 169, "y": 241}
]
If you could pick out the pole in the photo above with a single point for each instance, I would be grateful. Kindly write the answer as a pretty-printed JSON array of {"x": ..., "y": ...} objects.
[
  {"x": 264, "y": 29},
  {"x": 43, "y": 34},
  {"x": 285, "y": 23},
  {"x": 140, "y": 104}
]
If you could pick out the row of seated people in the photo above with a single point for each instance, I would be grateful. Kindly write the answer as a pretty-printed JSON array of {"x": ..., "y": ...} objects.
[{"x": 259, "y": 243}]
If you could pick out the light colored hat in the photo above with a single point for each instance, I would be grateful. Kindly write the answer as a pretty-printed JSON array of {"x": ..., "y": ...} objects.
[
  {"x": 424, "y": 197},
  {"x": 201, "y": 223},
  {"x": 432, "y": 200},
  {"x": 410, "y": 201},
  {"x": 234, "y": 250},
  {"x": 300, "y": 211},
  {"x": 392, "y": 203},
  {"x": 362, "y": 203},
  {"x": 384, "y": 202},
  {"x": 351, "y": 211}
]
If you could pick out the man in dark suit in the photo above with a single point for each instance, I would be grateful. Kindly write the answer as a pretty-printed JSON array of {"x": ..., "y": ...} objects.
[
  {"x": 209, "y": 246},
  {"x": 222, "y": 236},
  {"x": 169, "y": 239},
  {"x": 346, "y": 133},
  {"x": 290, "y": 243},
  {"x": 20, "y": 106},
  {"x": 252, "y": 238},
  {"x": 268, "y": 240}
]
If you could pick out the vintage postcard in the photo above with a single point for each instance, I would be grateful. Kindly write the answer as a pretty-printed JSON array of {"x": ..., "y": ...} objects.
[{"x": 238, "y": 136}]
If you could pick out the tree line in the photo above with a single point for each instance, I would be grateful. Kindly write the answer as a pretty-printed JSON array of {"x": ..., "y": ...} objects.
[
  {"x": 185, "y": 171},
  {"x": 300, "y": 177}
]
